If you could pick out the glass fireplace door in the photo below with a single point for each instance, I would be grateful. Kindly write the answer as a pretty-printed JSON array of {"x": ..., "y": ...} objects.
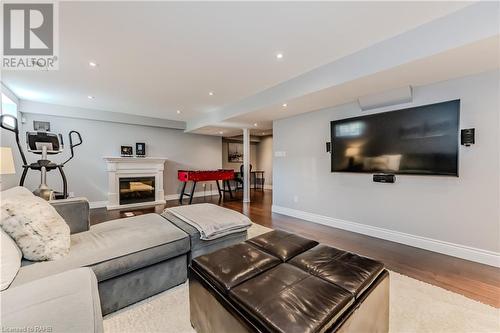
[{"x": 136, "y": 190}]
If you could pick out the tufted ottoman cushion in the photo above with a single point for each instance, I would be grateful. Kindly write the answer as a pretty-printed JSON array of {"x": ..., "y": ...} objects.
[
  {"x": 287, "y": 299},
  {"x": 226, "y": 272},
  {"x": 347, "y": 270},
  {"x": 282, "y": 244}
]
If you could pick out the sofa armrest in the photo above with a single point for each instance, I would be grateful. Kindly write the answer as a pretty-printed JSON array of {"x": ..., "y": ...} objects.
[
  {"x": 58, "y": 303},
  {"x": 75, "y": 211}
]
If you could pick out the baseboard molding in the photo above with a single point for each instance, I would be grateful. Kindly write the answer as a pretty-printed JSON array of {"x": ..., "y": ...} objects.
[
  {"x": 101, "y": 204},
  {"x": 98, "y": 204},
  {"x": 196, "y": 195},
  {"x": 268, "y": 187},
  {"x": 137, "y": 205},
  {"x": 456, "y": 250}
]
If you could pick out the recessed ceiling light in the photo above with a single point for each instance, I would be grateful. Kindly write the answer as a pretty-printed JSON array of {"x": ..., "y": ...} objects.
[
  {"x": 178, "y": 111},
  {"x": 92, "y": 64},
  {"x": 284, "y": 105},
  {"x": 263, "y": 133},
  {"x": 220, "y": 132},
  {"x": 279, "y": 55},
  {"x": 255, "y": 124},
  {"x": 211, "y": 93},
  {"x": 90, "y": 97}
]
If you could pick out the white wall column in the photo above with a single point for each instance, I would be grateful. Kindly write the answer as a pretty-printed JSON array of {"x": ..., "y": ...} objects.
[{"x": 246, "y": 165}]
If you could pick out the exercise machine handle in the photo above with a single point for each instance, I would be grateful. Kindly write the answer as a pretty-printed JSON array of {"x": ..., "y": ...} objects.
[
  {"x": 4, "y": 120},
  {"x": 73, "y": 145}
]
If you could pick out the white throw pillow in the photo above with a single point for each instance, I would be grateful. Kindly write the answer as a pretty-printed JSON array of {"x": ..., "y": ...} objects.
[
  {"x": 39, "y": 231},
  {"x": 10, "y": 260},
  {"x": 14, "y": 192}
]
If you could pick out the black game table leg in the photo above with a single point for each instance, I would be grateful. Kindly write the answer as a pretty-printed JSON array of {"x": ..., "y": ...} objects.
[
  {"x": 192, "y": 193},
  {"x": 229, "y": 189},
  {"x": 218, "y": 188},
  {"x": 182, "y": 192}
]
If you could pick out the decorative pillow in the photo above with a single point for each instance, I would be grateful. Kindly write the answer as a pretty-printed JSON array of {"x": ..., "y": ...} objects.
[
  {"x": 15, "y": 192},
  {"x": 39, "y": 231},
  {"x": 10, "y": 260}
]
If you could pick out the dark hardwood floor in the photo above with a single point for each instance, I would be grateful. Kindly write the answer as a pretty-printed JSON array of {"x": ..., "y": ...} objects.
[{"x": 473, "y": 280}]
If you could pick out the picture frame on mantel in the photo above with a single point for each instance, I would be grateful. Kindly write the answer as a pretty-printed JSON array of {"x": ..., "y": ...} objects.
[
  {"x": 140, "y": 149},
  {"x": 126, "y": 151}
]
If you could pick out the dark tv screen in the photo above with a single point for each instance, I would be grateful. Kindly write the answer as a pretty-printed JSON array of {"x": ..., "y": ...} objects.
[{"x": 419, "y": 140}]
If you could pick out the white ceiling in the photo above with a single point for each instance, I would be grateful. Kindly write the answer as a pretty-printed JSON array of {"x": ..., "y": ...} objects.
[
  {"x": 158, "y": 57},
  {"x": 470, "y": 59},
  {"x": 462, "y": 43}
]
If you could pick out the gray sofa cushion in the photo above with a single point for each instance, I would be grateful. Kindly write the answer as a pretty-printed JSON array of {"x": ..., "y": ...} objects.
[
  {"x": 114, "y": 248},
  {"x": 66, "y": 302},
  {"x": 200, "y": 247}
]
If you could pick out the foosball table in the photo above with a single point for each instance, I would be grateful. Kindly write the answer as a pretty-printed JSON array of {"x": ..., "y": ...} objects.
[{"x": 186, "y": 176}]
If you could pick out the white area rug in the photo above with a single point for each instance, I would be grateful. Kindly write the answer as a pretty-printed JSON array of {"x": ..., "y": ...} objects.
[{"x": 415, "y": 307}]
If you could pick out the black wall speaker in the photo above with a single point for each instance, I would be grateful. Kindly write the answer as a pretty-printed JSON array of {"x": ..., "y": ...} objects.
[
  {"x": 383, "y": 178},
  {"x": 467, "y": 136}
]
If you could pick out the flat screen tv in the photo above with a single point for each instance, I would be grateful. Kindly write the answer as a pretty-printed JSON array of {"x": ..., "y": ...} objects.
[{"x": 420, "y": 140}]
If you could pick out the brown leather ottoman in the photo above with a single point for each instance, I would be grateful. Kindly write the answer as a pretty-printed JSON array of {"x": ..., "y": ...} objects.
[{"x": 281, "y": 282}]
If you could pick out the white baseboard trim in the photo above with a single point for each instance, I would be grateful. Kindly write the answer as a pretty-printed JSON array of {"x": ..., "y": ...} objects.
[
  {"x": 268, "y": 187},
  {"x": 101, "y": 204},
  {"x": 137, "y": 205},
  {"x": 456, "y": 250},
  {"x": 97, "y": 204},
  {"x": 196, "y": 195}
]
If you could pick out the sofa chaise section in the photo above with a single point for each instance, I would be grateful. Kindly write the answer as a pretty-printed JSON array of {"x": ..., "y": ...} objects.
[{"x": 65, "y": 302}]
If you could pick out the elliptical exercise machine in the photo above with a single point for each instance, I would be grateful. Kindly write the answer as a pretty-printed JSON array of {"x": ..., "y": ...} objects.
[{"x": 42, "y": 143}]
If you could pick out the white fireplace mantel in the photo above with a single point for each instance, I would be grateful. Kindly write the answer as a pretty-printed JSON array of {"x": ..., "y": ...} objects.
[{"x": 119, "y": 167}]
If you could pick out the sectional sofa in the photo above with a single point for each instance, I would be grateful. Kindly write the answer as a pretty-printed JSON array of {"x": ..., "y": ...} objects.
[{"x": 110, "y": 266}]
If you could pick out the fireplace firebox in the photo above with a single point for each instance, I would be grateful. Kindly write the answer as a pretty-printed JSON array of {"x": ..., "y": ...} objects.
[{"x": 136, "y": 190}]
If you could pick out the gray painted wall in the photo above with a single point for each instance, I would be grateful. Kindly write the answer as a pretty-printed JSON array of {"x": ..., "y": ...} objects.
[
  {"x": 462, "y": 210},
  {"x": 265, "y": 158},
  {"x": 86, "y": 173}
]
